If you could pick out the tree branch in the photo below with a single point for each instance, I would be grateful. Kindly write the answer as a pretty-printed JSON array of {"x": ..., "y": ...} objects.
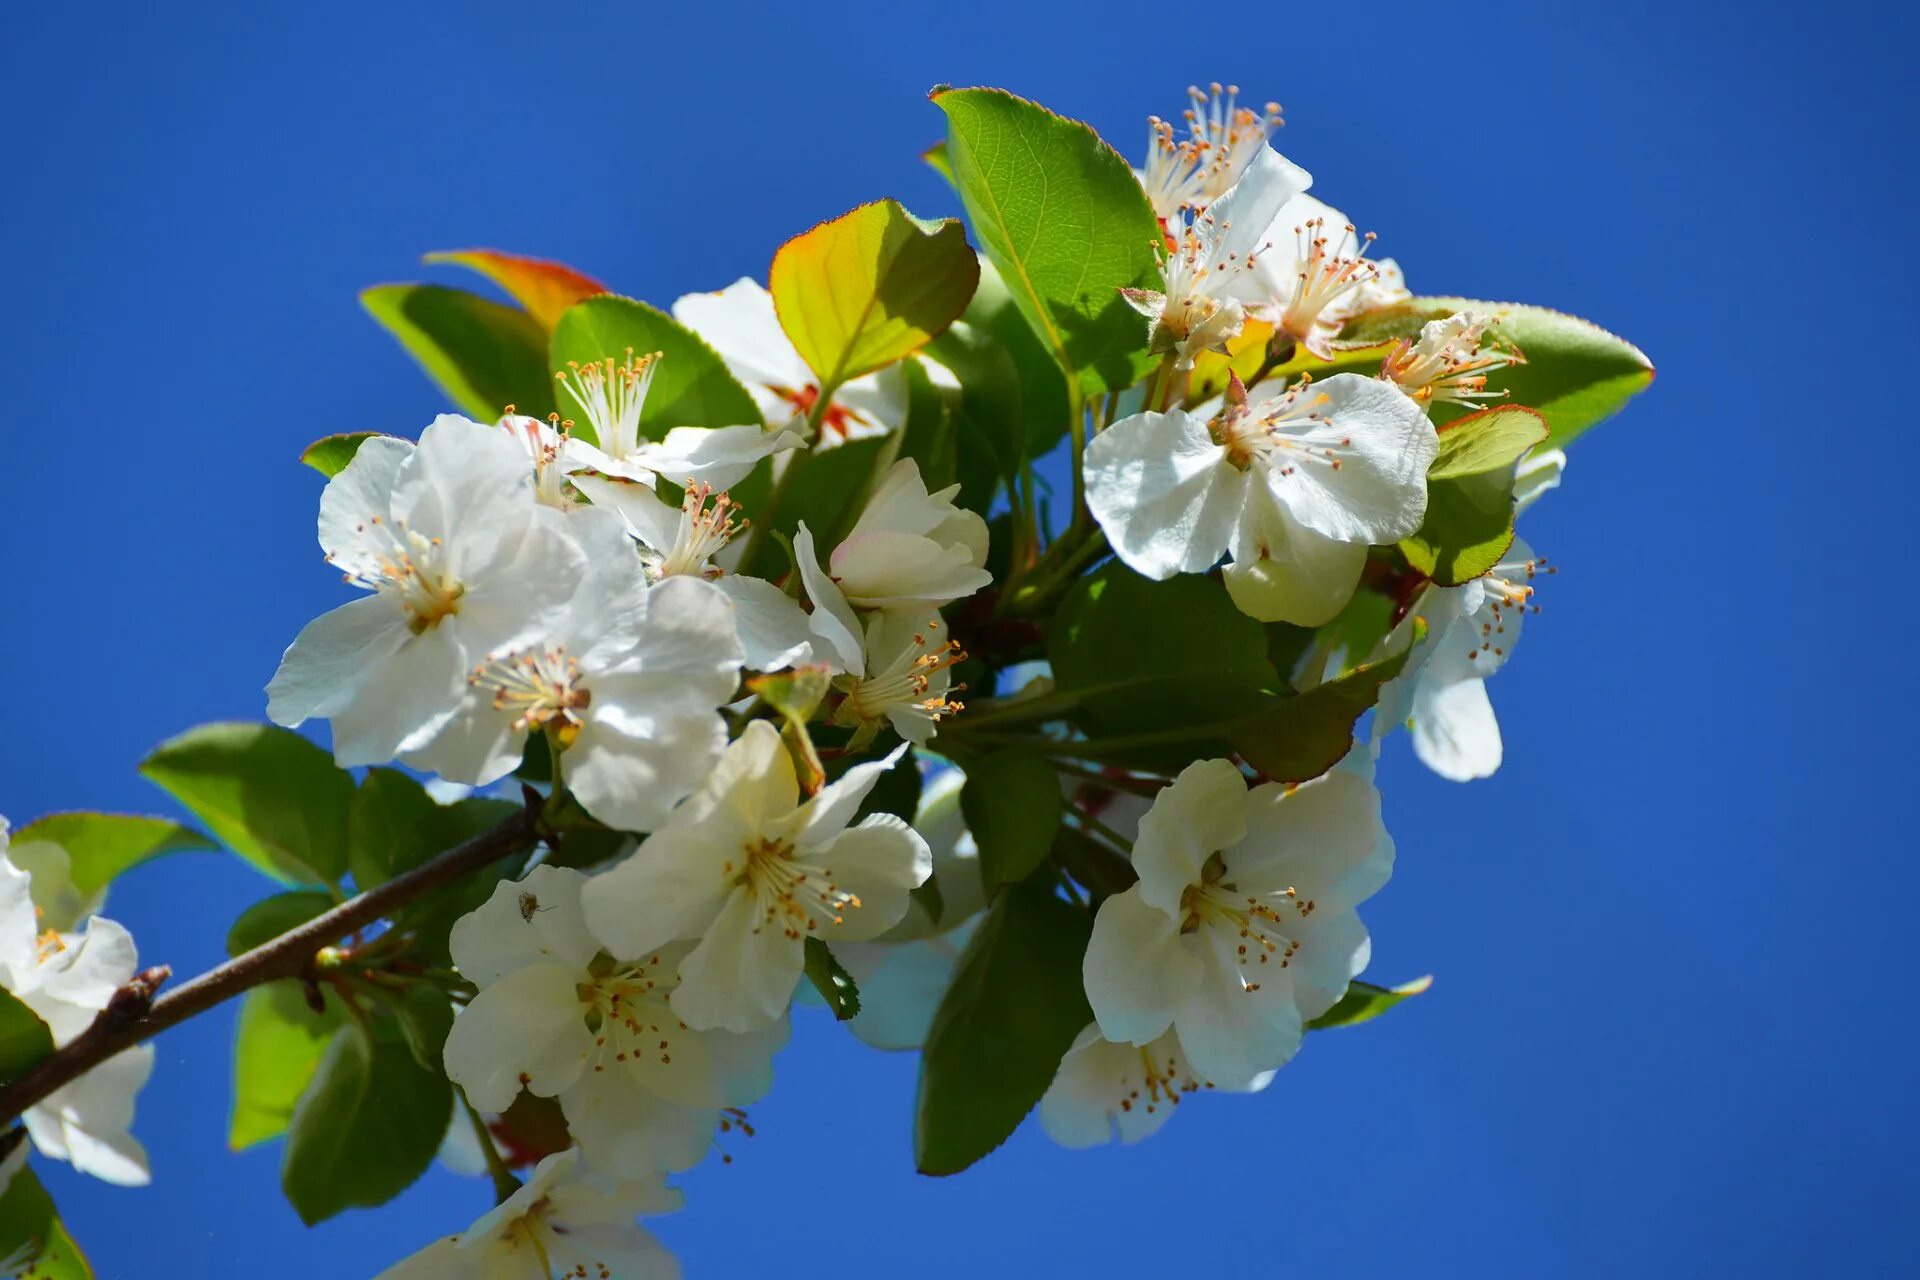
[{"x": 134, "y": 1016}]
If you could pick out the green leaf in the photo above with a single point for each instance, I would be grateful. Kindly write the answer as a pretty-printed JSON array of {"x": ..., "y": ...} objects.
[
  {"x": 1016, "y": 1002},
  {"x": 1576, "y": 374},
  {"x": 33, "y": 1240},
  {"x": 24, "y": 1038},
  {"x": 1364, "y": 1002},
  {"x": 835, "y": 984},
  {"x": 1012, "y": 803},
  {"x": 273, "y": 797},
  {"x": 935, "y": 158},
  {"x": 691, "y": 385},
  {"x": 393, "y": 825},
  {"x": 483, "y": 354},
  {"x": 869, "y": 288},
  {"x": 278, "y": 1042},
  {"x": 1157, "y": 655},
  {"x": 367, "y": 1127},
  {"x": 329, "y": 455},
  {"x": 431, "y": 919},
  {"x": 424, "y": 1015},
  {"x": 1491, "y": 440},
  {"x": 103, "y": 845},
  {"x": 1065, "y": 221},
  {"x": 1294, "y": 739},
  {"x": 1469, "y": 521},
  {"x": 987, "y": 442},
  {"x": 268, "y": 918}
]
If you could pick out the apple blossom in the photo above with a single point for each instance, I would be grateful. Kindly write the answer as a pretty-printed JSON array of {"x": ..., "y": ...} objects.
[
  {"x": 910, "y": 547},
  {"x": 558, "y": 1015},
  {"x": 1314, "y": 274},
  {"x": 1449, "y": 361},
  {"x": 750, "y": 870},
  {"x": 627, "y": 683},
  {"x": 1242, "y": 925},
  {"x": 905, "y": 679},
  {"x": 459, "y": 561},
  {"x": 1187, "y": 174},
  {"x": 567, "y": 1222},
  {"x": 1294, "y": 485},
  {"x": 1105, "y": 1088},
  {"x": 741, "y": 324}
]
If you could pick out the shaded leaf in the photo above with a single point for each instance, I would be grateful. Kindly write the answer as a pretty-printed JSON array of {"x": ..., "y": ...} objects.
[
  {"x": 1012, "y": 804},
  {"x": 1294, "y": 739},
  {"x": 268, "y": 918},
  {"x": 835, "y": 984},
  {"x": 24, "y": 1038},
  {"x": 483, "y": 354},
  {"x": 1364, "y": 1002},
  {"x": 329, "y": 455},
  {"x": 103, "y": 845},
  {"x": 33, "y": 1240},
  {"x": 393, "y": 825}
]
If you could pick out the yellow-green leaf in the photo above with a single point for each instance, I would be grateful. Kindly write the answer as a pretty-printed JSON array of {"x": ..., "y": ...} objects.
[
  {"x": 544, "y": 288},
  {"x": 1365, "y": 1002},
  {"x": 483, "y": 354}
]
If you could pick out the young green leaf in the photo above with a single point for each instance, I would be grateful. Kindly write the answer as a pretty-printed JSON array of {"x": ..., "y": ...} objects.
[
  {"x": 1012, "y": 802},
  {"x": 24, "y": 1038},
  {"x": 1015, "y": 1005},
  {"x": 101, "y": 846},
  {"x": 1064, "y": 219},
  {"x": 1490, "y": 440},
  {"x": 869, "y": 288},
  {"x": 1469, "y": 522},
  {"x": 268, "y": 918},
  {"x": 1576, "y": 373},
  {"x": 270, "y": 795},
  {"x": 366, "y": 1128},
  {"x": 329, "y": 455},
  {"x": 278, "y": 1042},
  {"x": 483, "y": 354},
  {"x": 544, "y": 288},
  {"x": 691, "y": 385},
  {"x": 33, "y": 1240},
  {"x": 1364, "y": 1002},
  {"x": 834, "y": 983},
  {"x": 1294, "y": 739}
]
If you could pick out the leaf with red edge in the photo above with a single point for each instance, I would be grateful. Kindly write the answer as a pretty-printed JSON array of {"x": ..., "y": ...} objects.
[{"x": 543, "y": 287}]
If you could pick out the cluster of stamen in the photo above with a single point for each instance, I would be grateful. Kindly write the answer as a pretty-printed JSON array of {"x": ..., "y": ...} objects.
[
  {"x": 707, "y": 522},
  {"x": 533, "y": 1229},
  {"x": 1509, "y": 589},
  {"x": 1448, "y": 362},
  {"x": 794, "y": 896},
  {"x": 544, "y": 443},
  {"x": 837, "y": 419},
  {"x": 1162, "y": 1083},
  {"x": 628, "y": 1014},
  {"x": 542, "y": 687},
  {"x": 1272, "y": 433},
  {"x": 1187, "y": 174},
  {"x": 1331, "y": 268},
  {"x": 1257, "y": 922},
  {"x": 611, "y": 394},
  {"x": 410, "y": 567},
  {"x": 915, "y": 681}
]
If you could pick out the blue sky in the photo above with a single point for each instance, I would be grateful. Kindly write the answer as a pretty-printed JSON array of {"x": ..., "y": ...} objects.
[{"x": 1670, "y": 1032}]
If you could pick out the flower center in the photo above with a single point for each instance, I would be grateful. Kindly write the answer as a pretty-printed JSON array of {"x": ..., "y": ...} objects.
[
  {"x": 1257, "y": 924},
  {"x": 795, "y": 895},
  {"x": 836, "y": 420},
  {"x": 544, "y": 443},
  {"x": 1448, "y": 363},
  {"x": 1508, "y": 589},
  {"x": 917, "y": 681},
  {"x": 543, "y": 688},
  {"x": 1274, "y": 433},
  {"x": 412, "y": 568},
  {"x": 1162, "y": 1082},
  {"x": 1330, "y": 269},
  {"x": 611, "y": 393},
  {"x": 626, "y": 1008},
  {"x": 704, "y": 529}
]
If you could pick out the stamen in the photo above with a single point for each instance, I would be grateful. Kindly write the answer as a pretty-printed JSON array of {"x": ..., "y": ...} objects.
[
  {"x": 1448, "y": 362},
  {"x": 914, "y": 681},
  {"x": 797, "y": 896},
  {"x": 704, "y": 530},
  {"x": 612, "y": 393},
  {"x": 543, "y": 689},
  {"x": 411, "y": 567}
]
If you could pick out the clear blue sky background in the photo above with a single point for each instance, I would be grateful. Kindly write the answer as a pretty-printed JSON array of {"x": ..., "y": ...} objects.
[{"x": 1672, "y": 1028}]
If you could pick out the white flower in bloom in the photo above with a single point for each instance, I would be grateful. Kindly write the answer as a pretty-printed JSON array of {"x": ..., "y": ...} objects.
[
  {"x": 749, "y": 870},
  {"x": 1295, "y": 486},
  {"x": 904, "y": 678},
  {"x": 1242, "y": 926},
  {"x": 1315, "y": 275},
  {"x": 67, "y": 979},
  {"x": 910, "y": 547},
  {"x": 1188, "y": 174},
  {"x": 628, "y": 682},
  {"x": 1449, "y": 361},
  {"x": 459, "y": 561},
  {"x": 566, "y": 1223},
  {"x": 1104, "y": 1089},
  {"x": 1212, "y": 271},
  {"x": 741, "y": 324},
  {"x": 559, "y": 1016},
  {"x": 611, "y": 393}
]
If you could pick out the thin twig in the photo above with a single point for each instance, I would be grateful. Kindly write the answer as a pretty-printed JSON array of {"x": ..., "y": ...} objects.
[{"x": 133, "y": 1016}]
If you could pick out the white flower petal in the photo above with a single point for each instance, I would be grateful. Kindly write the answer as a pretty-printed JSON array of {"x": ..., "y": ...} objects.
[
  {"x": 321, "y": 671},
  {"x": 1455, "y": 732},
  {"x": 528, "y": 1028},
  {"x": 832, "y": 621},
  {"x": 537, "y": 919},
  {"x": 1203, "y": 811},
  {"x": 1137, "y": 969},
  {"x": 742, "y": 974},
  {"x": 1163, "y": 491},
  {"x": 880, "y": 862}
]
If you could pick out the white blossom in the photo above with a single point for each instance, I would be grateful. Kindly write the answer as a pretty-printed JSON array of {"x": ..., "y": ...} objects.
[
  {"x": 1242, "y": 925},
  {"x": 566, "y": 1223},
  {"x": 1187, "y": 174},
  {"x": 905, "y": 677},
  {"x": 1449, "y": 362},
  {"x": 66, "y": 979},
  {"x": 459, "y": 561},
  {"x": 627, "y": 683},
  {"x": 740, "y": 323},
  {"x": 1106, "y": 1089},
  {"x": 750, "y": 870},
  {"x": 1295, "y": 485},
  {"x": 910, "y": 547},
  {"x": 1314, "y": 274},
  {"x": 560, "y": 1016}
]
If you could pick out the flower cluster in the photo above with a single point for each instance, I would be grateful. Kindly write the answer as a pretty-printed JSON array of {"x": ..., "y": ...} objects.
[{"x": 682, "y": 655}]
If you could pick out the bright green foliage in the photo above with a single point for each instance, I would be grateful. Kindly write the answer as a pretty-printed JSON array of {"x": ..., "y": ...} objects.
[
  {"x": 1012, "y": 802},
  {"x": 268, "y": 918},
  {"x": 278, "y": 1042},
  {"x": 483, "y": 354},
  {"x": 329, "y": 455},
  {"x": 691, "y": 386},
  {"x": 1365, "y": 1002},
  {"x": 1469, "y": 523},
  {"x": 103, "y": 845},
  {"x": 869, "y": 288},
  {"x": 31, "y": 1230},
  {"x": 270, "y": 795},
  {"x": 1015, "y": 1005},
  {"x": 24, "y": 1039},
  {"x": 1063, "y": 218},
  {"x": 834, "y": 983},
  {"x": 368, "y": 1125},
  {"x": 1576, "y": 374}
]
